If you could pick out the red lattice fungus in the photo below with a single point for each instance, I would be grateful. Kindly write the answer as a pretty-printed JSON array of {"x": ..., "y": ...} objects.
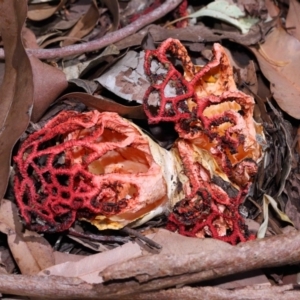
[
  {"x": 96, "y": 166},
  {"x": 211, "y": 207},
  {"x": 217, "y": 138}
]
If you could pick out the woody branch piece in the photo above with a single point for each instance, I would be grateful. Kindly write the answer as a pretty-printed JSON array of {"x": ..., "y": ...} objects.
[
  {"x": 53, "y": 287},
  {"x": 275, "y": 251},
  {"x": 261, "y": 253}
]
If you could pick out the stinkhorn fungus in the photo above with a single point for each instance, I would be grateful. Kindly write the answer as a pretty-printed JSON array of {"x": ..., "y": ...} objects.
[
  {"x": 217, "y": 144},
  {"x": 93, "y": 166},
  {"x": 101, "y": 168}
]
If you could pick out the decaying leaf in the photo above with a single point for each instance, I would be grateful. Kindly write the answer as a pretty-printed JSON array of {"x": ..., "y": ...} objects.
[
  {"x": 31, "y": 251},
  {"x": 7, "y": 263},
  {"x": 292, "y": 22},
  {"x": 113, "y": 7},
  {"x": 279, "y": 61},
  {"x": 195, "y": 34},
  {"x": 75, "y": 69},
  {"x": 17, "y": 82},
  {"x": 127, "y": 77},
  {"x": 49, "y": 83},
  {"x": 88, "y": 268},
  {"x": 104, "y": 104},
  {"x": 42, "y": 11},
  {"x": 84, "y": 25}
]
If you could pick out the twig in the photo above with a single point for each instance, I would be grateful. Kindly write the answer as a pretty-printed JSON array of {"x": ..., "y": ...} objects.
[
  {"x": 143, "y": 238},
  {"x": 106, "y": 40},
  {"x": 286, "y": 292},
  {"x": 56, "y": 287},
  {"x": 98, "y": 238}
]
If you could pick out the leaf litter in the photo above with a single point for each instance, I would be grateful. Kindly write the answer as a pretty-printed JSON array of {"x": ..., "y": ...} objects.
[{"x": 263, "y": 53}]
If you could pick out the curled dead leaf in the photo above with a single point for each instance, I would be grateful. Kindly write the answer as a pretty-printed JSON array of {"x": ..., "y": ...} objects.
[
  {"x": 42, "y": 11},
  {"x": 279, "y": 62},
  {"x": 18, "y": 81},
  {"x": 84, "y": 25}
]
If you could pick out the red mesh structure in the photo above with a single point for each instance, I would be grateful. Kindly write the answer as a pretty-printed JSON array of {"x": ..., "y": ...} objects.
[
  {"x": 217, "y": 137},
  {"x": 81, "y": 165},
  {"x": 211, "y": 207}
]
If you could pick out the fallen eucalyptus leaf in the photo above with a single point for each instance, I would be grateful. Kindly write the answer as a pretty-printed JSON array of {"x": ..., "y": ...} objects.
[
  {"x": 7, "y": 263},
  {"x": 292, "y": 23},
  {"x": 63, "y": 257},
  {"x": 127, "y": 77},
  {"x": 195, "y": 34},
  {"x": 104, "y": 104},
  {"x": 42, "y": 11},
  {"x": 84, "y": 25},
  {"x": 113, "y": 7},
  {"x": 88, "y": 268},
  {"x": 31, "y": 251},
  {"x": 17, "y": 82},
  {"x": 279, "y": 61},
  {"x": 74, "y": 70},
  {"x": 49, "y": 83},
  {"x": 88, "y": 86}
]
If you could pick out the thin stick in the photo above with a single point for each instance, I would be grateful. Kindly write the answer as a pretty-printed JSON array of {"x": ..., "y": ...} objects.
[
  {"x": 143, "y": 238},
  {"x": 98, "y": 238},
  {"x": 106, "y": 40}
]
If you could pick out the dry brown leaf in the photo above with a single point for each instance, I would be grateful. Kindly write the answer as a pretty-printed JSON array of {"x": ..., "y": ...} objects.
[
  {"x": 196, "y": 34},
  {"x": 16, "y": 91},
  {"x": 49, "y": 82},
  {"x": 75, "y": 68},
  {"x": 63, "y": 257},
  {"x": 42, "y": 11},
  {"x": 31, "y": 251},
  {"x": 84, "y": 25},
  {"x": 29, "y": 39},
  {"x": 7, "y": 263},
  {"x": 105, "y": 104},
  {"x": 279, "y": 60},
  {"x": 273, "y": 10},
  {"x": 292, "y": 23},
  {"x": 88, "y": 268},
  {"x": 245, "y": 74},
  {"x": 113, "y": 7},
  {"x": 127, "y": 77}
]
